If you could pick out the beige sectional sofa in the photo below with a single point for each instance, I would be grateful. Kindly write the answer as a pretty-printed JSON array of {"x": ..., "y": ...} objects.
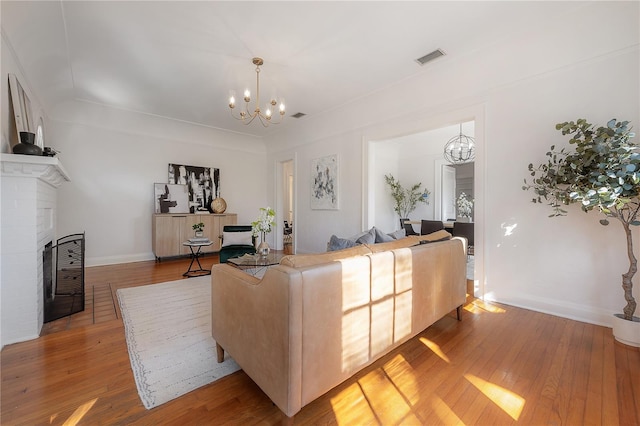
[{"x": 315, "y": 320}]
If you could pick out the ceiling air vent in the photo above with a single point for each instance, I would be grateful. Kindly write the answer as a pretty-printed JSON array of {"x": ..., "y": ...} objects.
[
  {"x": 430, "y": 56},
  {"x": 298, "y": 115}
]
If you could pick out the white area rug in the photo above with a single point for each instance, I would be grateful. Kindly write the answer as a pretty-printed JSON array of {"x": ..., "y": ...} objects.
[{"x": 168, "y": 331}]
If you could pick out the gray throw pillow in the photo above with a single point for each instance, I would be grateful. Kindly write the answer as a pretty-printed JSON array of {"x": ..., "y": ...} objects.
[
  {"x": 368, "y": 238},
  {"x": 381, "y": 237},
  {"x": 400, "y": 233},
  {"x": 336, "y": 243}
]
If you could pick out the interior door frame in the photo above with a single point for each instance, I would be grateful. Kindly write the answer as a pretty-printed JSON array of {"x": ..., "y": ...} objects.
[
  {"x": 425, "y": 122},
  {"x": 281, "y": 216}
]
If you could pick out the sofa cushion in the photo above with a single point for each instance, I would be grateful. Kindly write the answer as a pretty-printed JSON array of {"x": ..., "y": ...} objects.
[
  {"x": 302, "y": 260},
  {"x": 392, "y": 245},
  {"x": 237, "y": 238}
]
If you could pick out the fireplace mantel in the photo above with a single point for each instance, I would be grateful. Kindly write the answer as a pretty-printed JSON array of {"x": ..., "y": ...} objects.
[
  {"x": 48, "y": 169},
  {"x": 29, "y": 187}
]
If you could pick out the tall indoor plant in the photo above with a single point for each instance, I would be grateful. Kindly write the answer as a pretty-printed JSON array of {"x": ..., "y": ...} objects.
[
  {"x": 602, "y": 173},
  {"x": 406, "y": 199}
]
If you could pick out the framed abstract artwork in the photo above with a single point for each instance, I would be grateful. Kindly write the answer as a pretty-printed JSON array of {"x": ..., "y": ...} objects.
[
  {"x": 203, "y": 184},
  {"x": 324, "y": 183},
  {"x": 169, "y": 198}
]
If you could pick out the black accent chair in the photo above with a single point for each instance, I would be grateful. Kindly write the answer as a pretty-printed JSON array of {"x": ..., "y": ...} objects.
[
  {"x": 464, "y": 229},
  {"x": 429, "y": 226},
  {"x": 236, "y": 250},
  {"x": 287, "y": 233},
  {"x": 408, "y": 228}
]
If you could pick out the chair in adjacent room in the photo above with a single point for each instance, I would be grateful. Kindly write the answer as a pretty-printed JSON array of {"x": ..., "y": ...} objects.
[
  {"x": 429, "y": 226},
  {"x": 464, "y": 229},
  {"x": 408, "y": 228},
  {"x": 287, "y": 236},
  {"x": 236, "y": 241}
]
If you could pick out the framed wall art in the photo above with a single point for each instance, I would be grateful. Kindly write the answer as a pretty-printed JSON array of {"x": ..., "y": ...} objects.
[
  {"x": 324, "y": 183},
  {"x": 21, "y": 105},
  {"x": 170, "y": 198},
  {"x": 203, "y": 184}
]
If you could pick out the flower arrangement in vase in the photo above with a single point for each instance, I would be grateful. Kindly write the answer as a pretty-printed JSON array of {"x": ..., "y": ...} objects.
[
  {"x": 262, "y": 226},
  {"x": 464, "y": 206}
]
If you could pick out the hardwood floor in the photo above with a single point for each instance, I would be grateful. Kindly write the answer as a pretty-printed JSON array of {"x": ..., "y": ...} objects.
[{"x": 500, "y": 365}]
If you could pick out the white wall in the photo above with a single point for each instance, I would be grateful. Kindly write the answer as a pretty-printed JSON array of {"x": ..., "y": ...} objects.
[
  {"x": 115, "y": 157},
  {"x": 569, "y": 266}
]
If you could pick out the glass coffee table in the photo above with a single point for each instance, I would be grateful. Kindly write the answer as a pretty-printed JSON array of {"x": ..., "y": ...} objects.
[{"x": 256, "y": 264}]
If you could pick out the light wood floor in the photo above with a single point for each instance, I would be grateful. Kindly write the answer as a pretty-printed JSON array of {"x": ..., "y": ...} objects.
[{"x": 500, "y": 365}]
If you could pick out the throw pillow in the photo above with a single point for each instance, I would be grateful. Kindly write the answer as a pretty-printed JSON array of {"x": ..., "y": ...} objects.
[
  {"x": 358, "y": 236},
  {"x": 381, "y": 237},
  {"x": 242, "y": 238},
  {"x": 336, "y": 243},
  {"x": 399, "y": 234},
  {"x": 368, "y": 238}
]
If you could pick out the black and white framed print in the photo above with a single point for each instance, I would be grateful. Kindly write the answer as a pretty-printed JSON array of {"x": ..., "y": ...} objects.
[
  {"x": 324, "y": 183},
  {"x": 170, "y": 198},
  {"x": 203, "y": 184}
]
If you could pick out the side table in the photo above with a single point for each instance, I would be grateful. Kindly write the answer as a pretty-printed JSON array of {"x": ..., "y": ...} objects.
[{"x": 196, "y": 248}]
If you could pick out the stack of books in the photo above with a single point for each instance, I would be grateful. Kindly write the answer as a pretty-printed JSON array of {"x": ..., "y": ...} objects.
[{"x": 198, "y": 240}]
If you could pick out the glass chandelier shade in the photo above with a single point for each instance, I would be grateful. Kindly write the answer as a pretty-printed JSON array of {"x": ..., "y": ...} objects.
[
  {"x": 460, "y": 149},
  {"x": 264, "y": 116}
]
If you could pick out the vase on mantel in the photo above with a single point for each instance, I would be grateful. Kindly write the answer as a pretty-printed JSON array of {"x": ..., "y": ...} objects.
[
  {"x": 263, "y": 247},
  {"x": 27, "y": 145}
]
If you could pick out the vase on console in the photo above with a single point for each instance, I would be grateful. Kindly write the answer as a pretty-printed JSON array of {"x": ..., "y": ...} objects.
[
  {"x": 27, "y": 145},
  {"x": 263, "y": 247}
]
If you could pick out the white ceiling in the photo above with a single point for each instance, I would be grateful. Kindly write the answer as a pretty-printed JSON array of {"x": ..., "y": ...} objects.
[{"x": 179, "y": 59}]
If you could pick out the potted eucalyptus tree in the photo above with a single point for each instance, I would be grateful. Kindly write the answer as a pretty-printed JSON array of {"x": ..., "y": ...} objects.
[
  {"x": 406, "y": 199},
  {"x": 601, "y": 173}
]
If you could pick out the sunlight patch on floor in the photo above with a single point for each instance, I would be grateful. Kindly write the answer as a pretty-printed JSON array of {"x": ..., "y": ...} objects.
[
  {"x": 510, "y": 402},
  {"x": 385, "y": 395},
  {"x": 350, "y": 406},
  {"x": 402, "y": 375},
  {"x": 80, "y": 412},
  {"x": 478, "y": 306},
  {"x": 444, "y": 412},
  {"x": 436, "y": 349}
]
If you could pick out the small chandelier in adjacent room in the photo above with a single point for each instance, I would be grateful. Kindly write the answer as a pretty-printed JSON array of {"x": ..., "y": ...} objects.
[
  {"x": 460, "y": 149},
  {"x": 263, "y": 115}
]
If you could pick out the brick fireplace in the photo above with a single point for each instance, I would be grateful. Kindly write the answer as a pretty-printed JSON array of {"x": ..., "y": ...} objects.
[{"x": 29, "y": 193}]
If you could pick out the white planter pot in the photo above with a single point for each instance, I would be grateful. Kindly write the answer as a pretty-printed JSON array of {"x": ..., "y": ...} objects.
[{"x": 627, "y": 332}]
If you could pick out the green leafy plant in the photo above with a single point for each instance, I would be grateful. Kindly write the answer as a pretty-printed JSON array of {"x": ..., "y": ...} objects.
[
  {"x": 407, "y": 199},
  {"x": 198, "y": 226},
  {"x": 603, "y": 174}
]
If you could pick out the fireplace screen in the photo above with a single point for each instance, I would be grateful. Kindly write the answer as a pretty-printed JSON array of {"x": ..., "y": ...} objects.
[{"x": 64, "y": 294}]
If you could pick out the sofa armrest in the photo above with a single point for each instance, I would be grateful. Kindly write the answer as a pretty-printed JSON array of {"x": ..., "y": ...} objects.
[{"x": 259, "y": 323}]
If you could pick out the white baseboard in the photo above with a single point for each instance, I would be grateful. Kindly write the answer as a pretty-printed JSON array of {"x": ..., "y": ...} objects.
[
  {"x": 112, "y": 260},
  {"x": 560, "y": 308}
]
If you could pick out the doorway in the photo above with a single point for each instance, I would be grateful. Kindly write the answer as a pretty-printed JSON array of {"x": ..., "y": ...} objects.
[
  {"x": 417, "y": 156},
  {"x": 286, "y": 207}
]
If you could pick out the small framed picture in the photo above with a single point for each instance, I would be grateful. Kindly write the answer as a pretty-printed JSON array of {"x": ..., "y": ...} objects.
[{"x": 171, "y": 198}]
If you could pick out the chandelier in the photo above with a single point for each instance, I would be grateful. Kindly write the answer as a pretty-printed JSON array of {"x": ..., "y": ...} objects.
[
  {"x": 460, "y": 149},
  {"x": 264, "y": 116}
]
